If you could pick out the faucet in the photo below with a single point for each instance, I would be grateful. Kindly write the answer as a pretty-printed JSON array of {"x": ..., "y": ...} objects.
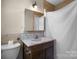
[{"x": 36, "y": 37}]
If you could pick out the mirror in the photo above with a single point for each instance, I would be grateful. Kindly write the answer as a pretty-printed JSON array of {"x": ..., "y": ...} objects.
[{"x": 34, "y": 21}]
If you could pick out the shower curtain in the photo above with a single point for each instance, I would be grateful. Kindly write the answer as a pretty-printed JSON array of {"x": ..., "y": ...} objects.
[{"x": 62, "y": 26}]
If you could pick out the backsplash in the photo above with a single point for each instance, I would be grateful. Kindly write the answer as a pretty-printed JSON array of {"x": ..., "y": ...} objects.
[{"x": 32, "y": 34}]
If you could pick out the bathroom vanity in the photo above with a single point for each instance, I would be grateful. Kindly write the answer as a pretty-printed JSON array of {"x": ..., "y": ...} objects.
[
  {"x": 39, "y": 49},
  {"x": 36, "y": 48}
]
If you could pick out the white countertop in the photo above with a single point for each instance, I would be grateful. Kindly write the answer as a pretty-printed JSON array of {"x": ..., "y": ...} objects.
[{"x": 31, "y": 42}]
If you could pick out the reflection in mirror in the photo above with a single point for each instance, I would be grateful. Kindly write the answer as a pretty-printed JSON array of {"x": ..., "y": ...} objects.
[
  {"x": 38, "y": 23},
  {"x": 34, "y": 21}
]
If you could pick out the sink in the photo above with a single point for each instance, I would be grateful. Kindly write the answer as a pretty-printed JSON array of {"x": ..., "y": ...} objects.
[{"x": 36, "y": 40}]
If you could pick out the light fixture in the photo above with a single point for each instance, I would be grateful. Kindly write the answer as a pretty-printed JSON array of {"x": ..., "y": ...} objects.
[{"x": 34, "y": 5}]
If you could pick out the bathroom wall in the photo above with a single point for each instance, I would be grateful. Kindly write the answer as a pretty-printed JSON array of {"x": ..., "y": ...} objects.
[{"x": 12, "y": 17}]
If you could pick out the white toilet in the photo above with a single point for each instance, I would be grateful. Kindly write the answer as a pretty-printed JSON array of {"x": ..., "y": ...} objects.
[{"x": 10, "y": 51}]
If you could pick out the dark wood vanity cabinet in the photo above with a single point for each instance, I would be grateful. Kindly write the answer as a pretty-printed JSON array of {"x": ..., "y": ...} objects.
[{"x": 40, "y": 51}]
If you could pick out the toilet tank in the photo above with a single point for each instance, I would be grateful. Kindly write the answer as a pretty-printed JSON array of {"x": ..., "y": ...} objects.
[{"x": 10, "y": 51}]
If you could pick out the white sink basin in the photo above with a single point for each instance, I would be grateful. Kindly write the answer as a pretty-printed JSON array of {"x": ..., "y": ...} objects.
[
  {"x": 39, "y": 39},
  {"x": 32, "y": 41}
]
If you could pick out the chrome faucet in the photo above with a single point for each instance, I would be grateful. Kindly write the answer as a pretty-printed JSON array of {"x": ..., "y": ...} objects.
[{"x": 36, "y": 37}]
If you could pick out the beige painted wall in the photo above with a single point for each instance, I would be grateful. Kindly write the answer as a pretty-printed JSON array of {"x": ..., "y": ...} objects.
[{"x": 12, "y": 15}]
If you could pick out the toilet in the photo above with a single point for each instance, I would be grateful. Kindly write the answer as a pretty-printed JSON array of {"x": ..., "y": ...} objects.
[{"x": 10, "y": 51}]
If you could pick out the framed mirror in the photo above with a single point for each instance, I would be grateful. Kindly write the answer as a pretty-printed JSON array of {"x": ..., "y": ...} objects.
[{"x": 34, "y": 21}]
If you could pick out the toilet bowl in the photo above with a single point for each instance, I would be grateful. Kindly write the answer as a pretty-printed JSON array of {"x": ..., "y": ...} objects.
[{"x": 10, "y": 51}]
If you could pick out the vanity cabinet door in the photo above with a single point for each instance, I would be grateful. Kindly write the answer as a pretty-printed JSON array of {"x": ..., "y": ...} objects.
[
  {"x": 50, "y": 53},
  {"x": 38, "y": 51},
  {"x": 26, "y": 53},
  {"x": 38, "y": 55}
]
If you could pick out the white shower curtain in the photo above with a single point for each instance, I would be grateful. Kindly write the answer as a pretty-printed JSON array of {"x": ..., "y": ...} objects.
[{"x": 62, "y": 25}]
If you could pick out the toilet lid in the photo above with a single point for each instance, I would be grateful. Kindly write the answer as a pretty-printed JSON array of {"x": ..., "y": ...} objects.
[{"x": 6, "y": 46}]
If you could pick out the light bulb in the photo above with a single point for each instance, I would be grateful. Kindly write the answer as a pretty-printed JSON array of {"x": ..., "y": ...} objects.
[{"x": 35, "y": 6}]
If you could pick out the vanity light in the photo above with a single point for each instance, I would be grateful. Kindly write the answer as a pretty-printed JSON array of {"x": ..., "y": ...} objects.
[{"x": 34, "y": 5}]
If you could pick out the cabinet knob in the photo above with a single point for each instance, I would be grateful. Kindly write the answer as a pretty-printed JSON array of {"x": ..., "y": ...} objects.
[
  {"x": 27, "y": 50},
  {"x": 28, "y": 53}
]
